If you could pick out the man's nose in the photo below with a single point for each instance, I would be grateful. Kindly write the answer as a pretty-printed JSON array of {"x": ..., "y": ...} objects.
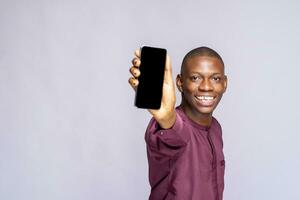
[{"x": 205, "y": 85}]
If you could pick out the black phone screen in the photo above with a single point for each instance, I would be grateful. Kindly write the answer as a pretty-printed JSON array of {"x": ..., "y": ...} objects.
[{"x": 149, "y": 90}]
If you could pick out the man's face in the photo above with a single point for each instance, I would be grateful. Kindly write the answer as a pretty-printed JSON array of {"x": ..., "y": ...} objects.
[{"x": 202, "y": 84}]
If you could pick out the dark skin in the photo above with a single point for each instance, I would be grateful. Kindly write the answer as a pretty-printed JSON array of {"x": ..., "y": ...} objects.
[{"x": 202, "y": 84}]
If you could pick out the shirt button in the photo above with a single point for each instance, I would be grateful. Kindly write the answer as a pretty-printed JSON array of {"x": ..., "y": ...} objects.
[
  {"x": 161, "y": 133},
  {"x": 222, "y": 162}
]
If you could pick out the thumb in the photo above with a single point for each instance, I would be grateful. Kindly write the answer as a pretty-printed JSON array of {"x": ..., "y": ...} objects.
[{"x": 168, "y": 68}]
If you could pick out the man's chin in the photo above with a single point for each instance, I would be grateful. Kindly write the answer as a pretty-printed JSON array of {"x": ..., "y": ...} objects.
[{"x": 205, "y": 110}]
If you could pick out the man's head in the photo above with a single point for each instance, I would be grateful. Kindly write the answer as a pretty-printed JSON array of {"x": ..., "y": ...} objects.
[{"x": 202, "y": 81}]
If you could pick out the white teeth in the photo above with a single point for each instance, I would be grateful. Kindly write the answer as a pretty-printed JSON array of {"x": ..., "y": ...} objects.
[{"x": 205, "y": 97}]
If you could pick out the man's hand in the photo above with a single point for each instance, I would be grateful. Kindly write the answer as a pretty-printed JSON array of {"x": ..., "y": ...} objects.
[{"x": 166, "y": 115}]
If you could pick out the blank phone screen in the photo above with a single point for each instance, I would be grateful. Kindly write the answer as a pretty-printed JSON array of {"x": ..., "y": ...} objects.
[{"x": 149, "y": 90}]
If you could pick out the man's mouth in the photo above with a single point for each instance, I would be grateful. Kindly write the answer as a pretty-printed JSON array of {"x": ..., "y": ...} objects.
[{"x": 205, "y": 100}]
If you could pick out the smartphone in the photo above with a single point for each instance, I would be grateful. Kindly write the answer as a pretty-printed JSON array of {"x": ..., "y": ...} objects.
[{"x": 152, "y": 68}]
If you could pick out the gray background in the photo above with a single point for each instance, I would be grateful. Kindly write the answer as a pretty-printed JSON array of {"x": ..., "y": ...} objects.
[{"x": 68, "y": 127}]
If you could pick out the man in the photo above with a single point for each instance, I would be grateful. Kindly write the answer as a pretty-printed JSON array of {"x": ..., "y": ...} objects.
[{"x": 184, "y": 144}]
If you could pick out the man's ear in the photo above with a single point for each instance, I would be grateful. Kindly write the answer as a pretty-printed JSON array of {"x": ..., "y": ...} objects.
[
  {"x": 225, "y": 83},
  {"x": 179, "y": 82}
]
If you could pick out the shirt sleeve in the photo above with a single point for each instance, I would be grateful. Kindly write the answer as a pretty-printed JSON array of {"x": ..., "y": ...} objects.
[{"x": 167, "y": 142}]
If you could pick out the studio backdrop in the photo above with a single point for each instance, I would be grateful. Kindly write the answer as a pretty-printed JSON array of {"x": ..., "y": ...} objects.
[{"x": 68, "y": 126}]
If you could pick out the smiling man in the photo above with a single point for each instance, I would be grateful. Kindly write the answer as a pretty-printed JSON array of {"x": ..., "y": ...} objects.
[{"x": 184, "y": 144}]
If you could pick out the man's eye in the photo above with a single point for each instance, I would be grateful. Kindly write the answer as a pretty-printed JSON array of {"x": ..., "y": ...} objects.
[
  {"x": 216, "y": 78},
  {"x": 195, "y": 78}
]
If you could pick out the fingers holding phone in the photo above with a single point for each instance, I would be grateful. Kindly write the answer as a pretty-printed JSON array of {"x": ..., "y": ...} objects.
[{"x": 134, "y": 70}]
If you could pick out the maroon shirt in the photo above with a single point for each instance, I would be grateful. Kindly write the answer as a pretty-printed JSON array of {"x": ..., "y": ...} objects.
[{"x": 186, "y": 162}]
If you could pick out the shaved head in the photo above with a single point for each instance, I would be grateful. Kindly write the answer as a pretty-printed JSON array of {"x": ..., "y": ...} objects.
[{"x": 200, "y": 51}]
